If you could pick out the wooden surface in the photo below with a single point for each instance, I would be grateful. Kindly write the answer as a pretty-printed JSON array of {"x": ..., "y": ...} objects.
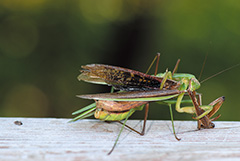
[{"x": 56, "y": 139}]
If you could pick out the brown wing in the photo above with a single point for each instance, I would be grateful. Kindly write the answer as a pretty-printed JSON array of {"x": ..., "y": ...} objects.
[
  {"x": 131, "y": 94},
  {"x": 122, "y": 78}
]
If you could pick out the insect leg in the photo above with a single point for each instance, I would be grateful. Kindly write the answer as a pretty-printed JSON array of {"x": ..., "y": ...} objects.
[
  {"x": 217, "y": 104},
  {"x": 124, "y": 123},
  {"x": 176, "y": 66},
  {"x": 144, "y": 123},
  {"x": 201, "y": 115},
  {"x": 171, "y": 113}
]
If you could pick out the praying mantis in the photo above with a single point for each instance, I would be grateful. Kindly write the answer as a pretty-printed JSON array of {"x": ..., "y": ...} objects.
[{"x": 140, "y": 89}]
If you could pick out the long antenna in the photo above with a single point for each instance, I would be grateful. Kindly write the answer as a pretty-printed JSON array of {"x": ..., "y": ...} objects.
[
  {"x": 214, "y": 75},
  {"x": 204, "y": 62}
]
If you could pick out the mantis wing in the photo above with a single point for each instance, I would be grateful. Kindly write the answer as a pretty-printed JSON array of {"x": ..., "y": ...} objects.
[
  {"x": 123, "y": 78},
  {"x": 153, "y": 95}
]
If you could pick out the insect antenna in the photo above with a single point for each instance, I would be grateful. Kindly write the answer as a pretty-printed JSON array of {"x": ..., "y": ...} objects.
[
  {"x": 214, "y": 75},
  {"x": 204, "y": 62}
]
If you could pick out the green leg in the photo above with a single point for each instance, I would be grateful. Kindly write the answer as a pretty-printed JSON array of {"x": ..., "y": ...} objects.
[
  {"x": 179, "y": 99},
  {"x": 166, "y": 76},
  {"x": 112, "y": 90},
  {"x": 191, "y": 109},
  {"x": 171, "y": 114},
  {"x": 180, "y": 109},
  {"x": 120, "y": 132},
  {"x": 208, "y": 110}
]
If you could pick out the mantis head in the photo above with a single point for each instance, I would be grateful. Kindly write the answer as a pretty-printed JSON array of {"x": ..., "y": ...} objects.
[
  {"x": 194, "y": 84},
  {"x": 184, "y": 80}
]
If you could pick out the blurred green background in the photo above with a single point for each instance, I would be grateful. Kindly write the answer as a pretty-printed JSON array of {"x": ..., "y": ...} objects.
[{"x": 44, "y": 43}]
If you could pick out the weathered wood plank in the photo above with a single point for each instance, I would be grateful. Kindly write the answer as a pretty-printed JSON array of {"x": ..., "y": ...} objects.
[{"x": 55, "y": 139}]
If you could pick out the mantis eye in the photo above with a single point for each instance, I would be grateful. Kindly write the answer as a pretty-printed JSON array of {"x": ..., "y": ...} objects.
[{"x": 195, "y": 84}]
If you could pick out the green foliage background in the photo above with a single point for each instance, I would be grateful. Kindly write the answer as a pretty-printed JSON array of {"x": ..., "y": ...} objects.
[{"x": 44, "y": 43}]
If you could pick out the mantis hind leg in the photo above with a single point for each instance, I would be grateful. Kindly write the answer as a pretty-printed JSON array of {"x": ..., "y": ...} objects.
[
  {"x": 124, "y": 125},
  {"x": 144, "y": 123}
]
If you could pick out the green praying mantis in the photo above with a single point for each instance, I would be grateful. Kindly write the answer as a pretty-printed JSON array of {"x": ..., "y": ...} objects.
[{"x": 138, "y": 90}]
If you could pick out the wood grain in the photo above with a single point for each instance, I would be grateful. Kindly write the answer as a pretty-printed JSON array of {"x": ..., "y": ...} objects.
[{"x": 56, "y": 139}]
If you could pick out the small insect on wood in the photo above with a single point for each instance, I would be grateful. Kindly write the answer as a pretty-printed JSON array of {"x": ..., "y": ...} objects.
[
  {"x": 19, "y": 123},
  {"x": 138, "y": 89}
]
